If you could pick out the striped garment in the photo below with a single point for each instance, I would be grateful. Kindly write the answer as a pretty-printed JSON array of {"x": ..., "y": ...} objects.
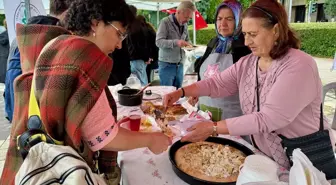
[{"x": 70, "y": 76}]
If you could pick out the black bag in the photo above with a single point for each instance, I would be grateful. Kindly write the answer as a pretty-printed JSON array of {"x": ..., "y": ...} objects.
[{"x": 317, "y": 146}]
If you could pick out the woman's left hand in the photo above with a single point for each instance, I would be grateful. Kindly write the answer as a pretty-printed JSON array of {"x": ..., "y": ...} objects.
[{"x": 199, "y": 132}]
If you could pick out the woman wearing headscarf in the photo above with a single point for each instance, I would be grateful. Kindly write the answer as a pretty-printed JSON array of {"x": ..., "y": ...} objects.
[
  {"x": 222, "y": 52},
  {"x": 280, "y": 93}
]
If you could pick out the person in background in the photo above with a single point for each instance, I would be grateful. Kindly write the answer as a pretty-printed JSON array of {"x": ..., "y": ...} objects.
[
  {"x": 4, "y": 50},
  {"x": 225, "y": 50},
  {"x": 57, "y": 12},
  {"x": 70, "y": 68},
  {"x": 140, "y": 47},
  {"x": 171, "y": 37},
  {"x": 121, "y": 61},
  {"x": 154, "y": 50},
  {"x": 279, "y": 86}
]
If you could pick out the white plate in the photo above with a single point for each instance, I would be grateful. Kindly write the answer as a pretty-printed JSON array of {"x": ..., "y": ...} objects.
[{"x": 190, "y": 49}]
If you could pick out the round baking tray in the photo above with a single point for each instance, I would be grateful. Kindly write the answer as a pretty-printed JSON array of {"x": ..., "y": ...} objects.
[{"x": 196, "y": 181}]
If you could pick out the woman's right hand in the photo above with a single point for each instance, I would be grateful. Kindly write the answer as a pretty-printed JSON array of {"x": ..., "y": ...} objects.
[
  {"x": 159, "y": 142},
  {"x": 171, "y": 98}
]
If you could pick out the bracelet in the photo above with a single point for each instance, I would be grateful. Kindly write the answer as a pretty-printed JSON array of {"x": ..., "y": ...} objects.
[
  {"x": 183, "y": 93},
  {"x": 214, "y": 133}
]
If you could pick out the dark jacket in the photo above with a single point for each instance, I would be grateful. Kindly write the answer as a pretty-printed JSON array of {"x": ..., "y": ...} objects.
[
  {"x": 14, "y": 65},
  {"x": 45, "y": 20},
  {"x": 140, "y": 44},
  {"x": 154, "y": 50},
  {"x": 4, "y": 50},
  {"x": 121, "y": 69},
  {"x": 238, "y": 50}
]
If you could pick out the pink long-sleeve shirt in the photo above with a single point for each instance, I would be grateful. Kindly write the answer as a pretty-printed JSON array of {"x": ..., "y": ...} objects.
[{"x": 290, "y": 97}]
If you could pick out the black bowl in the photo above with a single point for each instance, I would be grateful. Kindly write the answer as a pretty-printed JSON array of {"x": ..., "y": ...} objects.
[{"x": 193, "y": 180}]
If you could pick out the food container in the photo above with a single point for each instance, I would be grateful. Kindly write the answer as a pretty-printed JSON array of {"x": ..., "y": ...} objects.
[
  {"x": 129, "y": 97},
  {"x": 196, "y": 181}
]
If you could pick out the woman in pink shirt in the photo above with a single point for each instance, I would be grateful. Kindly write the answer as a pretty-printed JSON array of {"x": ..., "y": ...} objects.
[{"x": 279, "y": 77}]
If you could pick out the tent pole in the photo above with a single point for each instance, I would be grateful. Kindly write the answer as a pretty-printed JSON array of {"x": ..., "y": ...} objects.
[
  {"x": 158, "y": 15},
  {"x": 290, "y": 11},
  {"x": 27, "y": 7},
  {"x": 194, "y": 25}
]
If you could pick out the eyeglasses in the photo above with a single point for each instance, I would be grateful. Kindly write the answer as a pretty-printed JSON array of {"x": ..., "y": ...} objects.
[{"x": 122, "y": 36}]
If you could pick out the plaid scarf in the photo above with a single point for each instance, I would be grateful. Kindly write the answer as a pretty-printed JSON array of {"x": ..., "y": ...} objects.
[{"x": 70, "y": 76}]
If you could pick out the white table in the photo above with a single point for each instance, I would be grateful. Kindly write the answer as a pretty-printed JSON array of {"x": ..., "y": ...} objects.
[{"x": 141, "y": 167}]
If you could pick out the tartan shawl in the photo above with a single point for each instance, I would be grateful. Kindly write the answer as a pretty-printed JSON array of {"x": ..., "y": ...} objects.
[{"x": 70, "y": 75}]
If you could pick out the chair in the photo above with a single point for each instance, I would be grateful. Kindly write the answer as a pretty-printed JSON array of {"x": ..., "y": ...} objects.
[
  {"x": 334, "y": 64},
  {"x": 326, "y": 89}
]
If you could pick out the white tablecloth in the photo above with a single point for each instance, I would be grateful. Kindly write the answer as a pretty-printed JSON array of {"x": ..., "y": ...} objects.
[{"x": 141, "y": 167}]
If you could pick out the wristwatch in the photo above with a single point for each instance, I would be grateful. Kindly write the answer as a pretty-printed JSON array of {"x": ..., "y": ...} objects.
[{"x": 214, "y": 132}]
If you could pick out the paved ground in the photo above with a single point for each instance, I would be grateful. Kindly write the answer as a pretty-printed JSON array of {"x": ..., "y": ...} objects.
[
  {"x": 324, "y": 66},
  {"x": 4, "y": 124}
]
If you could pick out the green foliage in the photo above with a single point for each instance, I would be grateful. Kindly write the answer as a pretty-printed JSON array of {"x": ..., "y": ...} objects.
[
  {"x": 212, "y": 10},
  {"x": 330, "y": 7},
  {"x": 246, "y": 3},
  {"x": 151, "y": 16},
  {"x": 202, "y": 7},
  {"x": 2, "y": 17},
  {"x": 208, "y": 8},
  {"x": 317, "y": 39}
]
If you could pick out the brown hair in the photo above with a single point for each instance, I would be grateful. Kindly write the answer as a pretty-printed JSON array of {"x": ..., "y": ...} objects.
[{"x": 273, "y": 13}]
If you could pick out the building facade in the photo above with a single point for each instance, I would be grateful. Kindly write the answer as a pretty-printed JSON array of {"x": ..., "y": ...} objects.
[{"x": 299, "y": 11}]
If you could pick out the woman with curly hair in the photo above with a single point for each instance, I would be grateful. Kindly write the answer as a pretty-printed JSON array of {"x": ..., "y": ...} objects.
[{"x": 70, "y": 76}]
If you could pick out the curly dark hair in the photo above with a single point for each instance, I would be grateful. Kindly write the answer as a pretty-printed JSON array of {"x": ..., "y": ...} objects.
[
  {"x": 57, "y": 7},
  {"x": 81, "y": 13}
]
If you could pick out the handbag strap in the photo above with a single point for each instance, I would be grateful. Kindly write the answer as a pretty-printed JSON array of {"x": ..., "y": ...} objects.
[{"x": 258, "y": 99}]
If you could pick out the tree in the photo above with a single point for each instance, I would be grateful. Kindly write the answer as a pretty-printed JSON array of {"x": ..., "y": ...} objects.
[
  {"x": 202, "y": 7},
  {"x": 246, "y": 3},
  {"x": 208, "y": 8},
  {"x": 151, "y": 16},
  {"x": 212, "y": 7},
  {"x": 330, "y": 7}
]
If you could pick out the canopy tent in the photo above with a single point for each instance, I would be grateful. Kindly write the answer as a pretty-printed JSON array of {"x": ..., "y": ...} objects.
[
  {"x": 153, "y": 5},
  {"x": 45, "y": 4},
  {"x": 158, "y": 5}
]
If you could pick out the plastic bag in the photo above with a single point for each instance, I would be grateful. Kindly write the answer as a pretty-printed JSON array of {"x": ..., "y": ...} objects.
[
  {"x": 133, "y": 82},
  {"x": 179, "y": 127},
  {"x": 303, "y": 172}
]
